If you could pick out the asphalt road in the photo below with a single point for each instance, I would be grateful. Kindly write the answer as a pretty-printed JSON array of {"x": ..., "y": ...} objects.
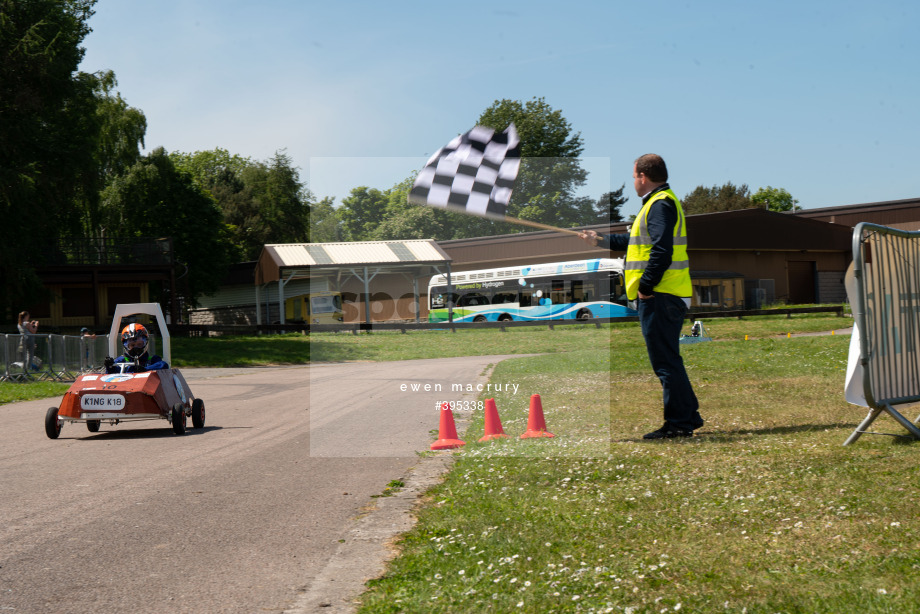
[{"x": 269, "y": 508}]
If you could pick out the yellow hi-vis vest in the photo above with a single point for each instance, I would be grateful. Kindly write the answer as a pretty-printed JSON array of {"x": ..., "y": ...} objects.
[{"x": 676, "y": 280}]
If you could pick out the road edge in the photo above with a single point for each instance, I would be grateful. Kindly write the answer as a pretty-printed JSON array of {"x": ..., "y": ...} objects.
[{"x": 366, "y": 549}]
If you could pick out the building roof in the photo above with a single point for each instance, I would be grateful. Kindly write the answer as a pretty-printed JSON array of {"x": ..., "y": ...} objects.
[
  {"x": 315, "y": 259},
  {"x": 903, "y": 214}
]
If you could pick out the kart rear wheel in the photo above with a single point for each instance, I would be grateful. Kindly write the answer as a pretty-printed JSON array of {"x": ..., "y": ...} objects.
[
  {"x": 178, "y": 419},
  {"x": 52, "y": 424},
  {"x": 93, "y": 425},
  {"x": 198, "y": 414}
]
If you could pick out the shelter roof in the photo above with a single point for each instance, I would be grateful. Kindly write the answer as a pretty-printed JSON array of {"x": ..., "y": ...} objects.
[{"x": 306, "y": 259}]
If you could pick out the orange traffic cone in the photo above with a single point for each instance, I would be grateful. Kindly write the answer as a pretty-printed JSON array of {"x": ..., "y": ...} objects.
[
  {"x": 536, "y": 423},
  {"x": 493, "y": 426},
  {"x": 447, "y": 431}
]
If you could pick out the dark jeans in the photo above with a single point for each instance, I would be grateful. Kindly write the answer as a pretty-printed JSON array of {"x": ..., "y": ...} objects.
[{"x": 662, "y": 318}]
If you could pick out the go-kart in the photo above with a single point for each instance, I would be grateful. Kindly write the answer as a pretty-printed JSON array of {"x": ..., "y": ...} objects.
[{"x": 95, "y": 398}]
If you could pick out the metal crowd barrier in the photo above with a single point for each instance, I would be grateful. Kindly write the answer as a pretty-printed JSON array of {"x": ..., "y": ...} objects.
[
  {"x": 885, "y": 353},
  {"x": 50, "y": 357}
]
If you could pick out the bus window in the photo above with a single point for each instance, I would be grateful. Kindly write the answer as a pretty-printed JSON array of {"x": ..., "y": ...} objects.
[
  {"x": 439, "y": 300},
  {"x": 541, "y": 290},
  {"x": 525, "y": 299},
  {"x": 617, "y": 288},
  {"x": 473, "y": 299},
  {"x": 502, "y": 298},
  {"x": 557, "y": 292}
]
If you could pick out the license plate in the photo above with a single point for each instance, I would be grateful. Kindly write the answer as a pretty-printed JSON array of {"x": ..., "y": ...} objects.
[{"x": 102, "y": 402}]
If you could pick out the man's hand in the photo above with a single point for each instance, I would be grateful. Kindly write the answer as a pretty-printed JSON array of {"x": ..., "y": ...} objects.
[
  {"x": 645, "y": 296},
  {"x": 108, "y": 362},
  {"x": 590, "y": 237}
]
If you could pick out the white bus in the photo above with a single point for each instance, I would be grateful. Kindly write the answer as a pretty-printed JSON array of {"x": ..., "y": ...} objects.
[{"x": 580, "y": 289}]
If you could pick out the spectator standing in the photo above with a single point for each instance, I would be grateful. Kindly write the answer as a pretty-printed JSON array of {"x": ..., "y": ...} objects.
[{"x": 27, "y": 329}]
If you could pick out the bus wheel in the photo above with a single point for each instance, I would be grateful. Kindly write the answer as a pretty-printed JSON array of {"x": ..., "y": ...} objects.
[
  {"x": 504, "y": 318},
  {"x": 585, "y": 314},
  {"x": 479, "y": 319}
]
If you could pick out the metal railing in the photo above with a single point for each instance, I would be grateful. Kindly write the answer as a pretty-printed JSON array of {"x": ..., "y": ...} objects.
[
  {"x": 50, "y": 357},
  {"x": 885, "y": 290}
]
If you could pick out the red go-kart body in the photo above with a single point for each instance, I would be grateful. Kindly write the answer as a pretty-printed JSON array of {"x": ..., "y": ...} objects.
[
  {"x": 95, "y": 398},
  {"x": 119, "y": 397}
]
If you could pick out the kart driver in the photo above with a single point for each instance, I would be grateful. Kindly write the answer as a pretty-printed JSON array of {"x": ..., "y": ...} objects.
[{"x": 134, "y": 339}]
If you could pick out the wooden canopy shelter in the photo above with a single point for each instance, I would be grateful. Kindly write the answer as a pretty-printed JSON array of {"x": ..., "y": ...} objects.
[{"x": 364, "y": 260}]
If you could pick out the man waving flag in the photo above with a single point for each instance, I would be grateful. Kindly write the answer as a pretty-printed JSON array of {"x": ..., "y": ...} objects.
[{"x": 473, "y": 174}]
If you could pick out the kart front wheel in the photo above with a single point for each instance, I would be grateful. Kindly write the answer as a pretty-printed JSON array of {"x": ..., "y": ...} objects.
[
  {"x": 178, "y": 419},
  {"x": 52, "y": 424},
  {"x": 93, "y": 425},
  {"x": 198, "y": 413}
]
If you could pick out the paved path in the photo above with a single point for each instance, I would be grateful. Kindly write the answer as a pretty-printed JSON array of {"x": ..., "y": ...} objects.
[{"x": 264, "y": 510}]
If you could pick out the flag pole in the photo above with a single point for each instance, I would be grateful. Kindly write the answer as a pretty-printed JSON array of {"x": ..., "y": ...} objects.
[{"x": 516, "y": 220}]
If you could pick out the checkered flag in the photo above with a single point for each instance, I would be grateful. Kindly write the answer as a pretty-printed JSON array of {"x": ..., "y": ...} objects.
[{"x": 472, "y": 174}]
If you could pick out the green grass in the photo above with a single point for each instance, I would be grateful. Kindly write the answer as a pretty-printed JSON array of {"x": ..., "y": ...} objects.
[
  {"x": 233, "y": 351},
  {"x": 392, "y": 345},
  {"x": 763, "y": 511},
  {"x": 295, "y": 348},
  {"x": 14, "y": 392}
]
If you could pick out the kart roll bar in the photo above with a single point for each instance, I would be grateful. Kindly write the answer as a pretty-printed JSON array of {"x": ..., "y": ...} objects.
[{"x": 150, "y": 309}]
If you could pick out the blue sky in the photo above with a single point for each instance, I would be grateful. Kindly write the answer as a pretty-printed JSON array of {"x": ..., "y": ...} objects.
[{"x": 817, "y": 97}]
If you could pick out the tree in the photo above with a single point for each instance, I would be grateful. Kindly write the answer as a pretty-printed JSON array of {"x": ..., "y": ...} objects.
[
  {"x": 404, "y": 221},
  {"x": 324, "y": 222},
  {"x": 221, "y": 174},
  {"x": 41, "y": 147},
  {"x": 607, "y": 207},
  {"x": 261, "y": 202},
  {"x": 115, "y": 134},
  {"x": 773, "y": 199},
  {"x": 361, "y": 212},
  {"x": 285, "y": 202},
  {"x": 550, "y": 169},
  {"x": 213, "y": 168},
  {"x": 154, "y": 198},
  {"x": 727, "y": 197}
]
